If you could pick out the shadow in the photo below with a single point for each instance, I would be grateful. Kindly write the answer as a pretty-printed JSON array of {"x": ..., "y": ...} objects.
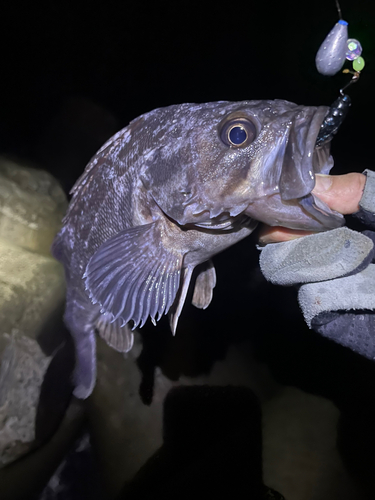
[{"x": 212, "y": 447}]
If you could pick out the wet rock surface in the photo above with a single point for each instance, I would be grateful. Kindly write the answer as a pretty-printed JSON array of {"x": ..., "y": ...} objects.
[
  {"x": 184, "y": 436},
  {"x": 32, "y": 292},
  {"x": 32, "y": 205},
  {"x": 78, "y": 476},
  {"x": 212, "y": 441},
  {"x": 27, "y": 477},
  {"x": 22, "y": 370}
]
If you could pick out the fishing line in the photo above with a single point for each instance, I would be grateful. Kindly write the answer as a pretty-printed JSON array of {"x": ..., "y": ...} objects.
[{"x": 338, "y": 8}]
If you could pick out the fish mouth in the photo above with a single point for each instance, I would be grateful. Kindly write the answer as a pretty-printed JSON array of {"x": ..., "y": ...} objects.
[
  {"x": 302, "y": 159},
  {"x": 284, "y": 177},
  {"x": 297, "y": 179}
]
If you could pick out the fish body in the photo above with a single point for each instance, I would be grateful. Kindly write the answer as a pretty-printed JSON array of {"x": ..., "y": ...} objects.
[{"x": 166, "y": 193}]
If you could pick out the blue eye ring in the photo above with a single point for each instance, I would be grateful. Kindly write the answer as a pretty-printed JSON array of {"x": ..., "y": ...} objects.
[{"x": 237, "y": 132}]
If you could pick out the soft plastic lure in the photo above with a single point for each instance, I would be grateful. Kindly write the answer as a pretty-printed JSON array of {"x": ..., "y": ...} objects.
[{"x": 333, "y": 119}]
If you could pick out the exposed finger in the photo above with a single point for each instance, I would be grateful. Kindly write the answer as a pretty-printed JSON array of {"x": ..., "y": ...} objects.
[{"x": 341, "y": 192}]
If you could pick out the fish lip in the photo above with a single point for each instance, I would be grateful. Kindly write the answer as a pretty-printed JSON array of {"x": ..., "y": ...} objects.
[
  {"x": 329, "y": 219},
  {"x": 297, "y": 175},
  {"x": 297, "y": 208},
  {"x": 311, "y": 203}
]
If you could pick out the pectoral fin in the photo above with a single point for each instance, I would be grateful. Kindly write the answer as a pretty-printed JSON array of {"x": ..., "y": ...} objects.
[
  {"x": 133, "y": 276},
  {"x": 204, "y": 285}
]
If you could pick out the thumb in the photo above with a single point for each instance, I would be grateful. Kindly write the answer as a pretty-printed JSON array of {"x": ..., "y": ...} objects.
[{"x": 341, "y": 192}]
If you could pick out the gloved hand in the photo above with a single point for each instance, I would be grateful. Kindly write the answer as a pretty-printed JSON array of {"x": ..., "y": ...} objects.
[{"x": 336, "y": 271}]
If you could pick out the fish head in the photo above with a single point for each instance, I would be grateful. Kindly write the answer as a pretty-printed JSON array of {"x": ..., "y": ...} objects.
[{"x": 212, "y": 162}]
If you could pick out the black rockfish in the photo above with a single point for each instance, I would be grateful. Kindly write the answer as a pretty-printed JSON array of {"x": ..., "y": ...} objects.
[{"x": 165, "y": 194}]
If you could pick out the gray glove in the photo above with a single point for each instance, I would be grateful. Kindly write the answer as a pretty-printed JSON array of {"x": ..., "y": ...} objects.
[{"x": 337, "y": 273}]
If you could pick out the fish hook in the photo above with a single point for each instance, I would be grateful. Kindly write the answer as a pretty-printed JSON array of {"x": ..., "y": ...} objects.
[{"x": 355, "y": 78}]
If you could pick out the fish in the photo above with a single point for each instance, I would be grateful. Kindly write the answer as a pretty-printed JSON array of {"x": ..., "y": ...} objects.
[{"x": 165, "y": 194}]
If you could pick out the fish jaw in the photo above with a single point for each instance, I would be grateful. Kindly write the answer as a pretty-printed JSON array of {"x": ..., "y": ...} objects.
[
  {"x": 291, "y": 203},
  {"x": 308, "y": 213},
  {"x": 298, "y": 174}
]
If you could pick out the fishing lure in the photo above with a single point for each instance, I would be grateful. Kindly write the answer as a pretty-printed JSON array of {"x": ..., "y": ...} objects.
[
  {"x": 330, "y": 58},
  {"x": 337, "y": 47},
  {"x": 334, "y": 118}
]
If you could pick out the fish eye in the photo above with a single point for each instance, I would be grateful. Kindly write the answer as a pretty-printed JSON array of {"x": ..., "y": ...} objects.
[
  {"x": 238, "y": 132},
  {"x": 237, "y": 135}
]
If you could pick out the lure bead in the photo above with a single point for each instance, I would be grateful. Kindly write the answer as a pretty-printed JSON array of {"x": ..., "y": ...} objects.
[
  {"x": 358, "y": 64},
  {"x": 354, "y": 49}
]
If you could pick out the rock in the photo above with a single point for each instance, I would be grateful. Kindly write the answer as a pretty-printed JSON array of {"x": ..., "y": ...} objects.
[
  {"x": 27, "y": 477},
  {"x": 77, "y": 477},
  {"x": 127, "y": 431},
  {"x": 34, "y": 346},
  {"x": 300, "y": 456},
  {"x": 212, "y": 438},
  {"x": 23, "y": 366},
  {"x": 32, "y": 205},
  {"x": 299, "y": 448},
  {"x": 32, "y": 290},
  {"x": 31, "y": 297}
]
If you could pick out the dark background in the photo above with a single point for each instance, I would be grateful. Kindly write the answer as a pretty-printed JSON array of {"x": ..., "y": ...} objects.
[{"x": 73, "y": 73}]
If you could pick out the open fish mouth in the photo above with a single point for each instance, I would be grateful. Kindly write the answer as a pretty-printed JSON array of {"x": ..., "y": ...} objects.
[
  {"x": 303, "y": 157},
  {"x": 283, "y": 178},
  {"x": 322, "y": 164},
  {"x": 297, "y": 179}
]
